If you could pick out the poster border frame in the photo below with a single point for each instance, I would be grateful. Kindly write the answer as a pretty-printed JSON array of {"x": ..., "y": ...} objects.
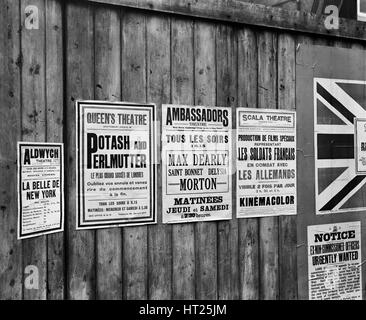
[
  {"x": 152, "y": 219},
  {"x": 20, "y": 144},
  {"x": 359, "y": 222},
  {"x": 274, "y": 213},
  {"x": 231, "y": 167}
]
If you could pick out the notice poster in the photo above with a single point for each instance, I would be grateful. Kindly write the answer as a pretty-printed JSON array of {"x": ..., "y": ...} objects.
[
  {"x": 266, "y": 162},
  {"x": 115, "y": 145},
  {"x": 40, "y": 187},
  {"x": 196, "y": 162},
  {"x": 334, "y": 261}
]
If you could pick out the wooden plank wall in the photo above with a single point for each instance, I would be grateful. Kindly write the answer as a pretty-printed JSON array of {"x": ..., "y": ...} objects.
[
  {"x": 303, "y": 5},
  {"x": 306, "y": 148},
  {"x": 84, "y": 51}
]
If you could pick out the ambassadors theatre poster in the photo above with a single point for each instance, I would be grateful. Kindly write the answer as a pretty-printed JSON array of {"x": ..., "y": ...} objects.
[{"x": 196, "y": 161}]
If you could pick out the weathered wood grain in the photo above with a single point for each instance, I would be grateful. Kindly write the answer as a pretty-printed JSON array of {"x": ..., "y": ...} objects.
[
  {"x": 212, "y": 64},
  {"x": 304, "y": 166},
  {"x": 287, "y": 224},
  {"x": 226, "y": 95},
  {"x": 288, "y": 5},
  {"x": 107, "y": 81},
  {"x": 34, "y": 128},
  {"x": 182, "y": 71},
  {"x": 268, "y": 226},
  {"x": 135, "y": 261},
  {"x": 158, "y": 92},
  {"x": 54, "y": 101},
  {"x": 249, "y": 14},
  {"x": 205, "y": 94},
  {"x": 80, "y": 249},
  {"x": 10, "y": 133},
  {"x": 248, "y": 228}
]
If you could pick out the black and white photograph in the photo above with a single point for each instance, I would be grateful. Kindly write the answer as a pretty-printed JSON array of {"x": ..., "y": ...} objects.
[{"x": 183, "y": 158}]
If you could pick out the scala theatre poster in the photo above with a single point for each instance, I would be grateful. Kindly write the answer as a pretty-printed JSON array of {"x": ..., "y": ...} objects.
[
  {"x": 116, "y": 152},
  {"x": 331, "y": 113},
  {"x": 265, "y": 162}
]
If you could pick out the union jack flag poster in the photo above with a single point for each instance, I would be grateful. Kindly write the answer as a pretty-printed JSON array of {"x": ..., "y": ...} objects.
[{"x": 340, "y": 145}]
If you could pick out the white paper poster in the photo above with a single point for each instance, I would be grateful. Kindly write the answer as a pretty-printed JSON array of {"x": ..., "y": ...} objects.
[
  {"x": 40, "y": 187},
  {"x": 116, "y": 160},
  {"x": 339, "y": 145},
  {"x": 266, "y": 162},
  {"x": 360, "y": 145},
  {"x": 334, "y": 261},
  {"x": 196, "y": 163}
]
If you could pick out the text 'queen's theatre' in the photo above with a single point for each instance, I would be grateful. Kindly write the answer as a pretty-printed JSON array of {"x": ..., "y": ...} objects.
[{"x": 116, "y": 164}]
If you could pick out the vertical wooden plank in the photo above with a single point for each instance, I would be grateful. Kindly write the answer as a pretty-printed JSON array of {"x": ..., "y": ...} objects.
[
  {"x": 303, "y": 169},
  {"x": 287, "y": 224},
  {"x": 248, "y": 228},
  {"x": 226, "y": 95},
  {"x": 205, "y": 94},
  {"x": 54, "y": 100},
  {"x": 158, "y": 91},
  {"x": 247, "y": 68},
  {"x": 107, "y": 80},
  {"x": 134, "y": 89},
  {"x": 80, "y": 84},
  {"x": 10, "y": 128},
  {"x": 182, "y": 72},
  {"x": 268, "y": 226},
  {"x": 34, "y": 128}
]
